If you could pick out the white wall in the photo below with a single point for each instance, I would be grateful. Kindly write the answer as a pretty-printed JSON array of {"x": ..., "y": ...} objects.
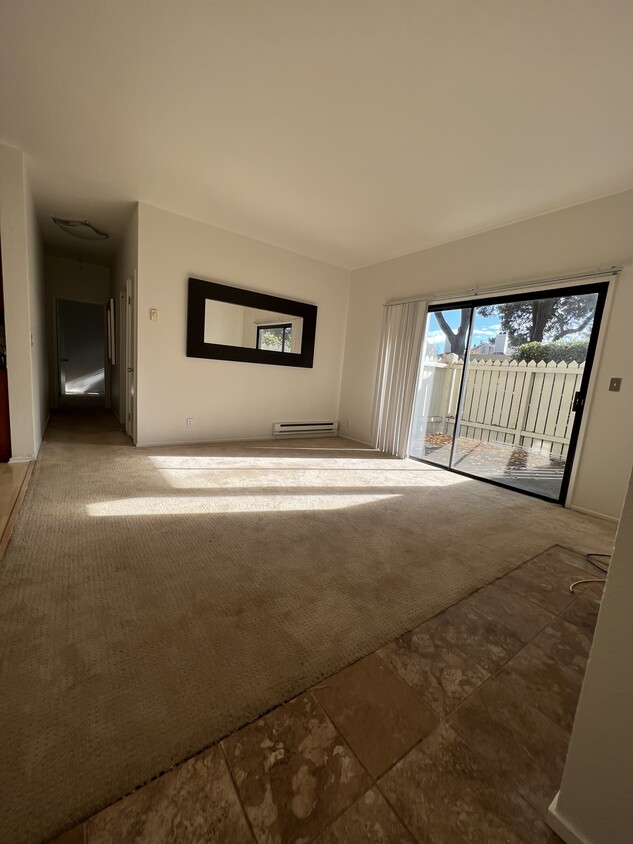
[
  {"x": 594, "y": 804},
  {"x": 227, "y": 399},
  {"x": 37, "y": 308},
  {"x": 79, "y": 282},
  {"x": 24, "y": 307},
  {"x": 607, "y": 451},
  {"x": 125, "y": 264},
  {"x": 591, "y": 236}
]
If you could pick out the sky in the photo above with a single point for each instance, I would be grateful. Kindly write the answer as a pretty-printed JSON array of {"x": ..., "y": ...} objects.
[{"x": 486, "y": 328}]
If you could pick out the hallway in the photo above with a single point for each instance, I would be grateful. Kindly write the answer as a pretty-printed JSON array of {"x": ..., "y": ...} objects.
[{"x": 85, "y": 425}]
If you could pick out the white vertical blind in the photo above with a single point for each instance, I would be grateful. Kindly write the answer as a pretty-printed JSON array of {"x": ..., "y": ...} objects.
[{"x": 398, "y": 363}]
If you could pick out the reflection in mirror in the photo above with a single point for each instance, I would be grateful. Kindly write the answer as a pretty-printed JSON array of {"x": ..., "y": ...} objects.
[
  {"x": 232, "y": 323},
  {"x": 229, "y": 324}
]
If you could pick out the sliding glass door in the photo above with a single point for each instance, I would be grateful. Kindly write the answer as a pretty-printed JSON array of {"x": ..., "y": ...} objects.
[
  {"x": 439, "y": 384},
  {"x": 502, "y": 386}
]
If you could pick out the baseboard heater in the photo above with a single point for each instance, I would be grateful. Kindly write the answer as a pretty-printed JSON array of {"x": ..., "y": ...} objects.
[{"x": 295, "y": 429}]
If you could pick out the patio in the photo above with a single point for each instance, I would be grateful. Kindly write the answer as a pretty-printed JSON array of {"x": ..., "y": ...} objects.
[{"x": 532, "y": 470}]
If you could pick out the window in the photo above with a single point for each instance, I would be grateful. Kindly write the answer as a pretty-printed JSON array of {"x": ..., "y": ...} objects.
[{"x": 275, "y": 338}]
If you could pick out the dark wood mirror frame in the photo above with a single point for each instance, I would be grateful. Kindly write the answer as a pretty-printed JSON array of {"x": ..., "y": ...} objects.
[{"x": 200, "y": 291}]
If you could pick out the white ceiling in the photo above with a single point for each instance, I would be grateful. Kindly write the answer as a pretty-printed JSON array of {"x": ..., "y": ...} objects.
[{"x": 349, "y": 130}]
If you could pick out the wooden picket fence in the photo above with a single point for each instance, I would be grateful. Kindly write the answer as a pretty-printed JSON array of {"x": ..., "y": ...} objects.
[{"x": 527, "y": 405}]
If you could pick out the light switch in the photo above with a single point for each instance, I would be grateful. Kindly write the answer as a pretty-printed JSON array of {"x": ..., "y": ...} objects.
[
  {"x": 615, "y": 384},
  {"x": 153, "y": 314}
]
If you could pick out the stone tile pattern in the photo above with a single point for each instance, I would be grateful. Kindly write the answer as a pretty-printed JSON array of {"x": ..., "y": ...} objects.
[
  {"x": 370, "y": 819},
  {"x": 456, "y": 731},
  {"x": 378, "y": 713},
  {"x": 194, "y": 802},
  {"x": 293, "y": 771}
]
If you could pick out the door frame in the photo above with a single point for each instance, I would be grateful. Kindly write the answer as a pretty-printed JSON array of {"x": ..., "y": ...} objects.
[
  {"x": 130, "y": 378},
  {"x": 602, "y": 288}
]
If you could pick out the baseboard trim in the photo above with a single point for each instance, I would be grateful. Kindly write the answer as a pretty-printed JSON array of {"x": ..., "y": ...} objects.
[
  {"x": 356, "y": 440},
  {"x": 161, "y": 443},
  {"x": 593, "y": 513},
  {"x": 269, "y": 438},
  {"x": 562, "y": 827},
  {"x": 39, "y": 448}
]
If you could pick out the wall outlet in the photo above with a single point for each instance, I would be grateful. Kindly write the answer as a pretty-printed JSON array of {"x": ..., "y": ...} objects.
[{"x": 189, "y": 421}]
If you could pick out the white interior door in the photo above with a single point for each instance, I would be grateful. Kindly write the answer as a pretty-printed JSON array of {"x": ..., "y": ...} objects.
[{"x": 130, "y": 356}]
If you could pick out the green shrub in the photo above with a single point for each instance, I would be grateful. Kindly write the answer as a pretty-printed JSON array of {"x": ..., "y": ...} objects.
[{"x": 567, "y": 350}]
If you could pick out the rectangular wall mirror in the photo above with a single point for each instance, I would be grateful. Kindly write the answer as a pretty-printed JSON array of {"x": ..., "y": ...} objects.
[{"x": 231, "y": 323}]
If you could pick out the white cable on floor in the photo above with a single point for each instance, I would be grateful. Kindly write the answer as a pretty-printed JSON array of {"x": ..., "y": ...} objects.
[{"x": 602, "y": 566}]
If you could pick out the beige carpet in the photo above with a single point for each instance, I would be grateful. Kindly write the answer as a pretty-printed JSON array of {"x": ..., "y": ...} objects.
[{"x": 152, "y": 601}]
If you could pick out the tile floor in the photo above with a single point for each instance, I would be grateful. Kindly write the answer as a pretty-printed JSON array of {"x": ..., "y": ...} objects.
[{"x": 455, "y": 732}]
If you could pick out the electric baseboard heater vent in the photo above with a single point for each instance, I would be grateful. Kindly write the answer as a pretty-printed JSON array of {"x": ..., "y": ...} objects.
[{"x": 295, "y": 429}]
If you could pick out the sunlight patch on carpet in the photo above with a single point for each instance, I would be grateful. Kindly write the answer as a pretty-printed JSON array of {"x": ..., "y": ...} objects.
[{"x": 173, "y": 506}]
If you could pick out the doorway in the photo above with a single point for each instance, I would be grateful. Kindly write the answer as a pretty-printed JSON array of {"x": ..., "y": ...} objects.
[
  {"x": 130, "y": 356},
  {"x": 502, "y": 387},
  {"x": 81, "y": 354}
]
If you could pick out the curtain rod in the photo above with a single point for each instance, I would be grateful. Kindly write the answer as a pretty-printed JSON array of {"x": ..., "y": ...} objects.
[{"x": 521, "y": 285}]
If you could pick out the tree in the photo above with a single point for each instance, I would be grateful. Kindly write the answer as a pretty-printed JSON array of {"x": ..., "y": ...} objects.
[
  {"x": 457, "y": 339},
  {"x": 532, "y": 320},
  {"x": 559, "y": 350}
]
